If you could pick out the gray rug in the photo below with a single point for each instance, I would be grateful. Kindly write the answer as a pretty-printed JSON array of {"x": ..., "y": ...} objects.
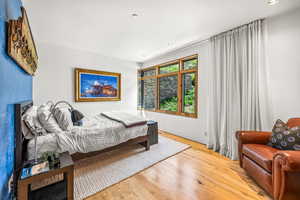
[{"x": 95, "y": 174}]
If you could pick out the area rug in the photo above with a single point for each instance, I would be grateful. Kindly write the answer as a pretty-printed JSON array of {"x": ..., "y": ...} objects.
[{"x": 97, "y": 173}]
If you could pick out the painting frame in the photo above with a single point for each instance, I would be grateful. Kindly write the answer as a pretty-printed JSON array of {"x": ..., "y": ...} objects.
[
  {"x": 20, "y": 43},
  {"x": 79, "y": 72}
]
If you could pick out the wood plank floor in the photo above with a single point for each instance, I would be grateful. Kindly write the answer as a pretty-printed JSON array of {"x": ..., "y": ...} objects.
[{"x": 195, "y": 174}]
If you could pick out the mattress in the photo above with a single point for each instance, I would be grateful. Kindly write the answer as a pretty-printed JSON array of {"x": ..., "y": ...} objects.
[{"x": 97, "y": 133}]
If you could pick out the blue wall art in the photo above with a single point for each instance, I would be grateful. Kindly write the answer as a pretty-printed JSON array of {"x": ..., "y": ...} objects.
[{"x": 92, "y": 85}]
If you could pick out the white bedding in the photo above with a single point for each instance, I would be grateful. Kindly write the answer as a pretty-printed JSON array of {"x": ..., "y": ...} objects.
[
  {"x": 44, "y": 143},
  {"x": 127, "y": 119},
  {"x": 97, "y": 133}
]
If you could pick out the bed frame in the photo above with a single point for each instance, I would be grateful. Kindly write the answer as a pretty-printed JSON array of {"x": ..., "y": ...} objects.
[{"x": 21, "y": 144}]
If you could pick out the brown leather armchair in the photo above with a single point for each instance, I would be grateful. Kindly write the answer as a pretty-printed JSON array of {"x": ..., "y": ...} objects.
[{"x": 276, "y": 171}]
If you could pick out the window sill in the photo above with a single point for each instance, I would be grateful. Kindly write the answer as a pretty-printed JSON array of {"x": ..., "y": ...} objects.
[{"x": 190, "y": 115}]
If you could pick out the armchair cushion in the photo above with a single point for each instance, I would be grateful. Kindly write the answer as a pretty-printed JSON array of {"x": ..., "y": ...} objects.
[
  {"x": 260, "y": 154},
  {"x": 251, "y": 137},
  {"x": 285, "y": 138}
]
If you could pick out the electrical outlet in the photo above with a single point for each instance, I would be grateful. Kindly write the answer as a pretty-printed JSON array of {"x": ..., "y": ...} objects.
[
  {"x": 10, "y": 184},
  {"x": 205, "y": 133}
]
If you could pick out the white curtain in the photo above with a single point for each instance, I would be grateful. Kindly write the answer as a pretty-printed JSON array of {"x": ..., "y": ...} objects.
[
  {"x": 238, "y": 97},
  {"x": 10, "y": 9}
]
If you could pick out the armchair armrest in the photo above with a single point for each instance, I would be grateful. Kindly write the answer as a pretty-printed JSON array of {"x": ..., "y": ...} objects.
[
  {"x": 253, "y": 137},
  {"x": 286, "y": 175},
  {"x": 250, "y": 137},
  {"x": 289, "y": 160}
]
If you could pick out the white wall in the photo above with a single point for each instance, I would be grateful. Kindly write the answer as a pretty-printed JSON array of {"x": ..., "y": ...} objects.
[
  {"x": 54, "y": 79},
  {"x": 184, "y": 126},
  {"x": 284, "y": 64}
]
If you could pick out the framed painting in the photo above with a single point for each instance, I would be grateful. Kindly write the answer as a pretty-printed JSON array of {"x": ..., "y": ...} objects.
[
  {"x": 21, "y": 46},
  {"x": 93, "y": 85}
]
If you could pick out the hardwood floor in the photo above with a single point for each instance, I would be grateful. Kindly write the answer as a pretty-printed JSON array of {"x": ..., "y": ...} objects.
[{"x": 195, "y": 174}]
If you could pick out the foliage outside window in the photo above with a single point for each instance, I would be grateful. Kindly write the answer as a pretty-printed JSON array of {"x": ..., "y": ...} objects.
[
  {"x": 188, "y": 92},
  {"x": 169, "y": 68},
  {"x": 170, "y": 88},
  {"x": 190, "y": 64}
]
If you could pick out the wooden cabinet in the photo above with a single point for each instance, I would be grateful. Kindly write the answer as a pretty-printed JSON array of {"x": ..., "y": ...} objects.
[{"x": 59, "y": 190}]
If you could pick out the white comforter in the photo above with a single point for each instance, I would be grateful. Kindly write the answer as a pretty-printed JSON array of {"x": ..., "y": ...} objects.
[
  {"x": 97, "y": 133},
  {"x": 127, "y": 119}
]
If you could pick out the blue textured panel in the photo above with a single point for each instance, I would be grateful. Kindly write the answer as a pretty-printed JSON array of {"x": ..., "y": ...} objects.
[
  {"x": 9, "y": 9},
  {"x": 15, "y": 86}
]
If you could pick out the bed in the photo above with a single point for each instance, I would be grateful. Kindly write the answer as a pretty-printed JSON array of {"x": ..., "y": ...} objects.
[{"x": 99, "y": 134}]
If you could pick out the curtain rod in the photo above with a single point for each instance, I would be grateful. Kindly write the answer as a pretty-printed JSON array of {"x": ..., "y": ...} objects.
[{"x": 247, "y": 24}]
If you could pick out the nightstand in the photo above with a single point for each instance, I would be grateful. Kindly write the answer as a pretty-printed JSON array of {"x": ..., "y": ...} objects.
[
  {"x": 58, "y": 191},
  {"x": 153, "y": 131}
]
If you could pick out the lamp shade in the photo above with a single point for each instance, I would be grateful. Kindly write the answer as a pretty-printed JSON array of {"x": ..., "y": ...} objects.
[{"x": 76, "y": 115}]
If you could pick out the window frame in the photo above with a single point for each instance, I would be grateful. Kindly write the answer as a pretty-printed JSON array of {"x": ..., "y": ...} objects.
[{"x": 179, "y": 75}]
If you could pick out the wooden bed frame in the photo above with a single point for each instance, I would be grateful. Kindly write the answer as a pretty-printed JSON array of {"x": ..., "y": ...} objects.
[{"x": 21, "y": 143}]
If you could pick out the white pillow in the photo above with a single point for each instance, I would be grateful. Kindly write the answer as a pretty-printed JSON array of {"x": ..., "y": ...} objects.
[
  {"x": 30, "y": 123},
  {"x": 49, "y": 124},
  {"x": 63, "y": 118}
]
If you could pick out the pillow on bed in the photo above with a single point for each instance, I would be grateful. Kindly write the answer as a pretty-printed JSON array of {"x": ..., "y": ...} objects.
[
  {"x": 25, "y": 130},
  {"x": 30, "y": 122},
  {"x": 63, "y": 118},
  {"x": 50, "y": 125}
]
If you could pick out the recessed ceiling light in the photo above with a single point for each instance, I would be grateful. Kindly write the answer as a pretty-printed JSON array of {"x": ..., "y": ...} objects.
[
  {"x": 272, "y": 2},
  {"x": 134, "y": 15}
]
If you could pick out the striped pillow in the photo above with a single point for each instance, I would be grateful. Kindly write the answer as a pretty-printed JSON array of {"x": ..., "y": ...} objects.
[
  {"x": 26, "y": 131},
  {"x": 30, "y": 123},
  {"x": 63, "y": 118},
  {"x": 50, "y": 124}
]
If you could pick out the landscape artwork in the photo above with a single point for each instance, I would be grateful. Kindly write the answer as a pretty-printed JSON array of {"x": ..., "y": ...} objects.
[{"x": 92, "y": 85}]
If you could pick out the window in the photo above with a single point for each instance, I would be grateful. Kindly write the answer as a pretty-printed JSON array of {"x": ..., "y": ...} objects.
[
  {"x": 188, "y": 93},
  {"x": 169, "y": 68},
  {"x": 190, "y": 64},
  {"x": 150, "y": 72},
  {"x": 170, "y": 88},
  {"x": 149, "y": 93},
  {"x": 140, "y": 95}
]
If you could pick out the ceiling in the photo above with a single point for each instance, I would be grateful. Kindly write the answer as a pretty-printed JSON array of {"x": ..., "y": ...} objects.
[{"x": 107, "y": 27}]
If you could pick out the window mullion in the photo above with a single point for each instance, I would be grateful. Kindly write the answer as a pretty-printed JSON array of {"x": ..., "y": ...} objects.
[
  {"x": 142, "y": 94},
  {"x": 180, "y": 87},
  {"x": 157, "y": 89}
]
